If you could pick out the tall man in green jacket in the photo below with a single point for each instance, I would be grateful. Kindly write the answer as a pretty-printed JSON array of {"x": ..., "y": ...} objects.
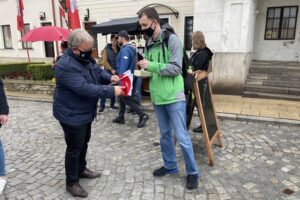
[{"x": 167, "y": 95}]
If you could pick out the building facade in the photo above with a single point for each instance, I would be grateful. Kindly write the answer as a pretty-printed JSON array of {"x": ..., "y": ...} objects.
[
  {"x": 36, "y": 14},
  {"x": 237, "y": 31}
]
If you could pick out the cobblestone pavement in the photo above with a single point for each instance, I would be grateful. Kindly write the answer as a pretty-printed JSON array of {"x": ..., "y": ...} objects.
[{"x": 258, "y": 160}]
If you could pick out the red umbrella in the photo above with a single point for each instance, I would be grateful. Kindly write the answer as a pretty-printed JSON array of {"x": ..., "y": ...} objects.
[{"x": 47, "y": 34}]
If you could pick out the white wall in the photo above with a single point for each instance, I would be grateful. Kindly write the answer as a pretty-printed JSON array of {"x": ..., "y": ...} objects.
[
  {"x": 275, "y": 50},
  {"x": 105, "y": 10},
  {"x": 32, "y": 8},
  {"x": 228, "y": 26},
  {"x": 208, "y": 18},
  {"x": 238, "y": 27}
]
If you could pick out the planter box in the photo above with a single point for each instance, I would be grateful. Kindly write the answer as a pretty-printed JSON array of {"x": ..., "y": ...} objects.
[{"x": 28, "y": 86}]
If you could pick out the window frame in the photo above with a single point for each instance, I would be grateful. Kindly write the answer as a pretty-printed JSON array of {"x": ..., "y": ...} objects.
[
  {"x": 281, "y": 17},
  {"x": 4, "y": 42},
  {"x": 22, "y": 34},
  {"x": 184, "y": 33}
]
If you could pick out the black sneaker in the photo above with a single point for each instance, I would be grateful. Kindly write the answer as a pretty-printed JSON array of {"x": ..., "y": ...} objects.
[
  {"x": 192, "y": 181},
  {"x": 143, "y": 121},
  {"x": 119, "y": 120},
  {"x": 101, "y": 111},
  {"x": 129, "y": 111},
  {"x": 114, "y": 108},
  {"x": 164, "y": 171},
  {"x": 198, "y": 129}
]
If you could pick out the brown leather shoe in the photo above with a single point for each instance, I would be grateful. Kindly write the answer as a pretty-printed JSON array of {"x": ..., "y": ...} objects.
[
  {"x": 77, "y": 191},
  {"x": 89, "y": 174}
]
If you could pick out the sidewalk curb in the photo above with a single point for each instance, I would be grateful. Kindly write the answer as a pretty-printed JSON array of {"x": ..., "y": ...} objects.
[
  {"x": 29, "y": 99},
  {"x": 257, "y": 118},
  {"x": 221, "y": 115}
]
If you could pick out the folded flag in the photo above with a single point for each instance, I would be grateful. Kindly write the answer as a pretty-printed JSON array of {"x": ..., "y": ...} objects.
[{"x": 126, "y": 80}]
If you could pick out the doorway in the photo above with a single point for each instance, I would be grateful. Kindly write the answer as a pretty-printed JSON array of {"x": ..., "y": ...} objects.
[{"x": 49, "y": 46}]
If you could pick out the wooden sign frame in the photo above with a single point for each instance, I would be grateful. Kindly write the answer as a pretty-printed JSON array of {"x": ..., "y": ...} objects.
[{"x": 198, "y": 76}]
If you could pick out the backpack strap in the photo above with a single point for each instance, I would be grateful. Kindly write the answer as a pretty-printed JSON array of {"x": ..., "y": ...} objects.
[{"x": 165, "y": 42}]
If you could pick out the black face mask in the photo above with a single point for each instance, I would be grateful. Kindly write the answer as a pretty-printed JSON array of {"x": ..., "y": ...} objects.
[
  {"x": 149, "y": 31},
  {"x": 85, "y": 54}
]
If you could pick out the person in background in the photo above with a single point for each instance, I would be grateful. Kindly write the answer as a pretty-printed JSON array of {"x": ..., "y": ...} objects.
[
  {"x": 127, "y": 61},
  {"x": 200, "y": 59},
  {"x": 63, "y": 48},
  {"x": 109, "y": 58},
  {"x": 4, "y": 110},
  {"x": 137, "y": 82},
  {"x": 80, "y": 82},
  {"x": 167, "y": 96}
]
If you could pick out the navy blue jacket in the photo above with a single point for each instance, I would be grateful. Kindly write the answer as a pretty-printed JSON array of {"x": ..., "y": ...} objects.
[
  {"x": 126, "y": 59},
  {"x": 4, "y": 109},
  {"x": 78, "y": 88}
]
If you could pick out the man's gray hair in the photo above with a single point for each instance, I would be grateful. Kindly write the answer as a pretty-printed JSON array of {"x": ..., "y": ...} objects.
[{"x": 79, "y": 36}]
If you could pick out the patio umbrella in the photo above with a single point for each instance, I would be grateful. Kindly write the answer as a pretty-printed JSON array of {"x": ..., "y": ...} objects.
[
  {"x": 46, "y": 34},
  {"x": 131, "y": 25}
]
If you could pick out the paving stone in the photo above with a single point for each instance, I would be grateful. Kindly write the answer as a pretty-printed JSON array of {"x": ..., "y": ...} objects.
[{"x": 258, "y": 160}]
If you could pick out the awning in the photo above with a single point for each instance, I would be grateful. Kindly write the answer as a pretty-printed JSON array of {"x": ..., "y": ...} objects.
[{"x": 131, "y": 25}]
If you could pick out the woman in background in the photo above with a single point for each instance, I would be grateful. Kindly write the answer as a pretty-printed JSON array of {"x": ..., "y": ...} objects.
[{"x": 200, "y": 59}]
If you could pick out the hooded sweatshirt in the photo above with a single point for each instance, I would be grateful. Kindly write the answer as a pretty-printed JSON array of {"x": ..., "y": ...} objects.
[{"x": 200, "y": 59}]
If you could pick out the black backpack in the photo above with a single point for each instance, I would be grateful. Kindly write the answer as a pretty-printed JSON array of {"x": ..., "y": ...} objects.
[{"x": 168, "y": 30}]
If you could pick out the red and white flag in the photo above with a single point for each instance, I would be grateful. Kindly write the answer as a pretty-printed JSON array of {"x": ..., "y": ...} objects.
[
  {"x": 20, "y": 21},
  {"x": 126, "y": 80},
  {"x": 73, "y": 14}
]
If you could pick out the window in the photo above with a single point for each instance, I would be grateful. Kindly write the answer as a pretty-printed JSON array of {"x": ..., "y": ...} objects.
[
  {"x": 188, "y": 32},
  {"x": 164, "y": 20},
  {"x": 26, "y": 29},
  {"x": 7, "y": 37},
  {"x": 281, "y": 23}
]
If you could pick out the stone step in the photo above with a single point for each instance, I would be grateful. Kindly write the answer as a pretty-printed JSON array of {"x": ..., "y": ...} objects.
[
  {"x": 292, "y": 77},
  {"x": 275, "y": 83},
  {"x": 276, "y": 63},
  {"x": 273, "y": 90},
  {"x": 271, "y": 96},
  {"x": 275, "y": 71}
]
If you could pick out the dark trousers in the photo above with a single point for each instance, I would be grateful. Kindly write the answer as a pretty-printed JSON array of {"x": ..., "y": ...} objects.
[
  {"x": 103, "y": 100},
  {"x": 132, "y": 103},
  {"x": 77, "y": 138}
]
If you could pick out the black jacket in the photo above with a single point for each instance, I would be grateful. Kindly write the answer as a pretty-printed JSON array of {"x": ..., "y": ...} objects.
[
  {"x": 4, "y": 109},
  {"x": 200, "y": 59}
]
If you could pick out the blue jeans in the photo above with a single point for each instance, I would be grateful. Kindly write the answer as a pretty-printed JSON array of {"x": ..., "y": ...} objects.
[
  {"x": 103, "y": 100},
  {"x": 173, "y": 116},
  {"x": 2, "y": 160},
  {"x": 137, "y": 88}
]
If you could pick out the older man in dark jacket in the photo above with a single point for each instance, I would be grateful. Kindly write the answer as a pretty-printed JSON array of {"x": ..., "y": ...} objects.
[{"x": 80, "y": 82}]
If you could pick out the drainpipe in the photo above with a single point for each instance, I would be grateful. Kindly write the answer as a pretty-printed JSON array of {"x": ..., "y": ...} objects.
[{"x": 54, "y": 23}]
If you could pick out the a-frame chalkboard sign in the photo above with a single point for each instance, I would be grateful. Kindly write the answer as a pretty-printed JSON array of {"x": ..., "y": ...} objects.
[{"x": 206, "y": 111}]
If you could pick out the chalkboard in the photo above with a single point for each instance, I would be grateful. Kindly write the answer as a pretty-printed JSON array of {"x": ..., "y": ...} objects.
[
  {"x": 202, "y": 97},
  {"x": 207, "y": 107}
]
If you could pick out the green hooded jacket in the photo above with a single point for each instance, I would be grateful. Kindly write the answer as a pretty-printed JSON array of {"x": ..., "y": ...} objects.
[{"x": 166, "y": 82}]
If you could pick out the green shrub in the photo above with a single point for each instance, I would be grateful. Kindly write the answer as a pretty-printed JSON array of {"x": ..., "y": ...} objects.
[
  {"x": 9, "y": 68},
  {"x": 40, "y": 71}
]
